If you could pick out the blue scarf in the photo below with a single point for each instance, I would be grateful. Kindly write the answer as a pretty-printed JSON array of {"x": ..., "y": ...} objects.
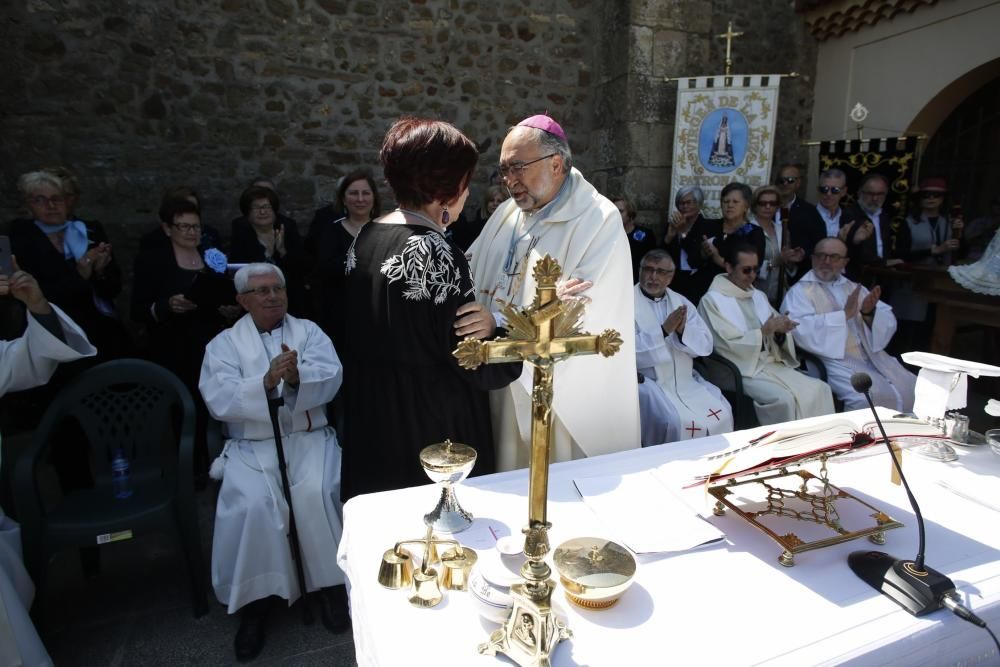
[{"x": 75, "y": 242}]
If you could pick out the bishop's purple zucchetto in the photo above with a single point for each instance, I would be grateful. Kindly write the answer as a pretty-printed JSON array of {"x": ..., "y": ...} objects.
[{"x": 546, "y": 124}]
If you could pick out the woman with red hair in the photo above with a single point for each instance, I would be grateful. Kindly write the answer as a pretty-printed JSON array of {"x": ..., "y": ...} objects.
[{"x": 407, "y": 284}]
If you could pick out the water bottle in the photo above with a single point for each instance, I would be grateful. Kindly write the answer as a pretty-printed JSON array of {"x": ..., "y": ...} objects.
[{"x": 119, "y": 475}]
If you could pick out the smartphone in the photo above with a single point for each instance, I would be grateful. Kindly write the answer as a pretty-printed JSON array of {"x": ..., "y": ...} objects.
[{"x": 6, "y": 265}]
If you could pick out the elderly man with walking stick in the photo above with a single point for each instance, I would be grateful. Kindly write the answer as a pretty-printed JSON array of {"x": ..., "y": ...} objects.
[{"x": 277, "y": 474}]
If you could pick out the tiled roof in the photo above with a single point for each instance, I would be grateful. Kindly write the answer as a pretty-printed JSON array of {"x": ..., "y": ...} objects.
[{"x": 833, "y": 18}]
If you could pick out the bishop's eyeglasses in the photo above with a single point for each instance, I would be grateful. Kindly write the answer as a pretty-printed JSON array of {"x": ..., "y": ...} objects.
[{"x": 516, "y": 169}]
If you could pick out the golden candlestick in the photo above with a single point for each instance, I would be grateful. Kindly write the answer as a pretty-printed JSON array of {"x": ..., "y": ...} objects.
[{"x": 543, "y": 334}]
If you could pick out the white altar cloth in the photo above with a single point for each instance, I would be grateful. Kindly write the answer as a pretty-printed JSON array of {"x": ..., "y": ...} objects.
[{"x": 731, "y": 604}]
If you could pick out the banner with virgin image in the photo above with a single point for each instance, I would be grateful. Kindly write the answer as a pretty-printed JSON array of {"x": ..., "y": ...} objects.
[{"x": 723, "y": 132}]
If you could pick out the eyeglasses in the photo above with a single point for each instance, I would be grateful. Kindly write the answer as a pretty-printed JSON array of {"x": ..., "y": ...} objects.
[
  {"x": 516, "y": 169},
  {"x": 787, "y": 180},
  {"x": 655, "y": 271},
  {"x": 931, "y": 195},
  {"x": 830, "y": 189},
  {"x": 265, "y": 290},
  {"x": 823, "y": 256},
  {"x": 186, "y": 227},
  {"x": 868, "y": 193},
  {"x": 42, "y": 200},
  {"x": 262, "y": 208},
  {"x": 747, "y": 270},
  {"x": 770, "y": 203}
]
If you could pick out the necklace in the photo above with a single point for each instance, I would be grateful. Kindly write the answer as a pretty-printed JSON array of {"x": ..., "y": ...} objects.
[
  {"x": 188, "y": 262},
  {"x": 429, "y": 223},
  {"x": 353, "y": 228}
]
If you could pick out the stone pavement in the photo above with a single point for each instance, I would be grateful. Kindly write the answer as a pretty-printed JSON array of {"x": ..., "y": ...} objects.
[{"x": 137, "y": 611}]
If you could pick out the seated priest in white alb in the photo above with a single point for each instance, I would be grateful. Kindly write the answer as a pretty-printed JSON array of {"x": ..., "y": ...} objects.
[
  {"x": 755, "y": 337},
  {"x": 847, "y": 327},
  {"x": 269, "y": 353},
  {"x": 675, "y": 403},
  {"x": 50, "y": 338}
]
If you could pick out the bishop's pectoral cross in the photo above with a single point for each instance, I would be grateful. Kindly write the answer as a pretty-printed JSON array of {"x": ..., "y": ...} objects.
[{"x": 543, "y": 334}]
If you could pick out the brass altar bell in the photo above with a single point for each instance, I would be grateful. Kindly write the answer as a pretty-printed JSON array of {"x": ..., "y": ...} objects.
[{"x": 396, "y": 570}]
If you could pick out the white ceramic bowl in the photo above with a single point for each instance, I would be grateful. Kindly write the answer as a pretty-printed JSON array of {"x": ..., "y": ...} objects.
[{"x": 492, "y": 601}]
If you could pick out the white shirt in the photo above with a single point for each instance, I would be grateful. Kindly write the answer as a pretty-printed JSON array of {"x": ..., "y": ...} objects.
[
  {"x": 832, "y": 222},
  {"x": 876, "y": 218}
]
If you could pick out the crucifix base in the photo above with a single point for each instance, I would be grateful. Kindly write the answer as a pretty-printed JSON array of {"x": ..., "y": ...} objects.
[{"x": 532, "y": 631}]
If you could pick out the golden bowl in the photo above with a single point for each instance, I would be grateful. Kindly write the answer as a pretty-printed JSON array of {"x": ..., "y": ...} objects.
[{"x": 594, "y": 572}]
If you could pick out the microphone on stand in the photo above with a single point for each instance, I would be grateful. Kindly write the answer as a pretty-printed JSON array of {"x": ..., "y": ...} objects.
[{"x": 909, "y": 583}]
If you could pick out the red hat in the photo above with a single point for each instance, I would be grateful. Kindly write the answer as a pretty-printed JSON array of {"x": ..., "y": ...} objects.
[{"x": 933, "y": 184}]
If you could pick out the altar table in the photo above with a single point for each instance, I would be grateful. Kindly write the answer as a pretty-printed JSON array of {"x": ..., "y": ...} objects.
[{"x": 728, "y": 604}]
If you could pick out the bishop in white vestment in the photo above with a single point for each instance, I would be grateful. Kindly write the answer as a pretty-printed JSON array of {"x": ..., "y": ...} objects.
[
  {"x": 675, "y": 403},
  {"x": 50, "y": 338},
  {"x": 269, "y": 353},
  {"x": 553, "y": 210},
  {"x": 848, "y": 327},
  {"x": 754, "y": 336}
]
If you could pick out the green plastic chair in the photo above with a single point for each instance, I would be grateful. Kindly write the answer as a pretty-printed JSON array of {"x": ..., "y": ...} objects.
[
  {"x": 134, "y": 405},
  {"x": 726, "y": 376}
]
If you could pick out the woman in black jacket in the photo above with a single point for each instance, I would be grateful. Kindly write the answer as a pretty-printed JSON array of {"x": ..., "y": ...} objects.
[
  {"x": 72, "y": 261},
  {"x": 184, "y": 298},
  {"x": 263, "y": 234}
]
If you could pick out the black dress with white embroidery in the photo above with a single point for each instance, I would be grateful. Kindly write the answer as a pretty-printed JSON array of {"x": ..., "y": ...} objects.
[{"x": 403, "y": 390}]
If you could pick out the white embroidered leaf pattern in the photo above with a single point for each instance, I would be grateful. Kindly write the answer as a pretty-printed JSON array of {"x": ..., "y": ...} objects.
[
  {"x": 427, "y": 265},
  {"x": 351, "y": 261}
]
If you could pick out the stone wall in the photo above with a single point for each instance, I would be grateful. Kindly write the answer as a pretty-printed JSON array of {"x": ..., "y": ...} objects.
[
  {"x": 635, "y": 104},
  {"x": 137, "y": 96}
]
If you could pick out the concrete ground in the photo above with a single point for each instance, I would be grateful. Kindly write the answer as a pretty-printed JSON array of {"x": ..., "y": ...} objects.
[{"x": 137, "y": 611}]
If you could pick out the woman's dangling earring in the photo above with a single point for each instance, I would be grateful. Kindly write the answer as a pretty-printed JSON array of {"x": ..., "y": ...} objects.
[{"x": 445, "y": 217}]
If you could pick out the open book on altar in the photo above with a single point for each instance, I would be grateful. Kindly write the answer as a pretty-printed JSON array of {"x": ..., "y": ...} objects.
[{"x": 777, "y": 449}]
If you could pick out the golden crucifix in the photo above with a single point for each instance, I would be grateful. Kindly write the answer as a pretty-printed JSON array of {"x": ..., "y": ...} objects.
[
  {"x": 728, "y": 36},
  {"x": 543, "y": 334}
]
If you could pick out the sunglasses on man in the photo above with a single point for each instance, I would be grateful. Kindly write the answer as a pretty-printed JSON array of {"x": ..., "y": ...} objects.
[
  {"x": 830, "y": 189},
  {"x": 787, "y": 180}
]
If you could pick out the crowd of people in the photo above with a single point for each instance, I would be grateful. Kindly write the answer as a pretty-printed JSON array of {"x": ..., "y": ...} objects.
[
  {"x": 776, "y": 272},
  {"x": 351, "y": 328}
]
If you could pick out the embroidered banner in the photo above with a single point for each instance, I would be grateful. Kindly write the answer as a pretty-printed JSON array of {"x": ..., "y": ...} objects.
[
  {"x": 894, "y": 157},
  {"x": 723, "y": 132}
]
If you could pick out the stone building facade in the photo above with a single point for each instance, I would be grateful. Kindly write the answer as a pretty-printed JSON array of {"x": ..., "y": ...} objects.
[{"x": 140, "y": 95}]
